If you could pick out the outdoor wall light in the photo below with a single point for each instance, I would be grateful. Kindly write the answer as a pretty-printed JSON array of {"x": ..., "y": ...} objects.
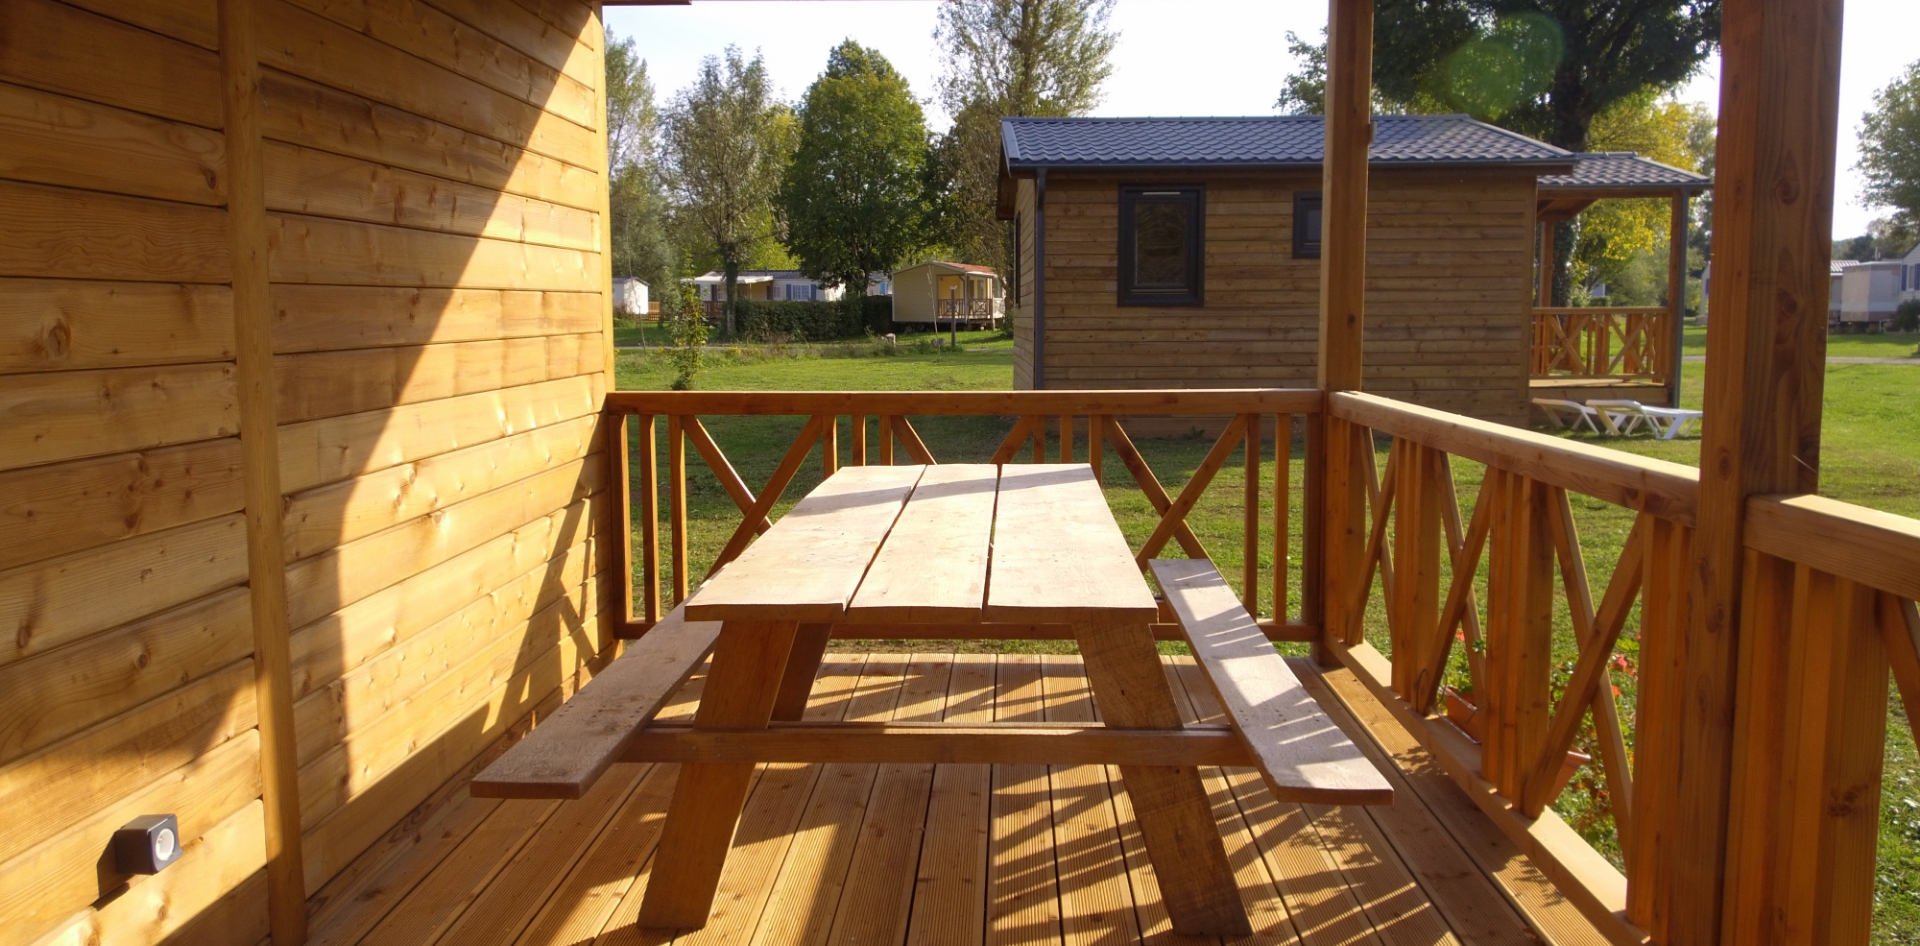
[{"x": 147, "y": 844}]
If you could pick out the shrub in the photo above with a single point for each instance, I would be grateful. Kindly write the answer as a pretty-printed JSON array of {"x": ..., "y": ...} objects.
[
  {"x": 689, "y": 331},
  {"x": 1907, "y": 317},
  {"x": 815, "y": 321}
]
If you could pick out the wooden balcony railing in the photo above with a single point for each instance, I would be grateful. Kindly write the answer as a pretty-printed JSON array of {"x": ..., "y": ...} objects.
[
  {"x": 970, "y": 310},
  {"x": 1636, "y": 343},
  {"x": 1049, "y": 426},
  {"x": 1831, "y": 604},
  {"x": 1468, "y": 600}
]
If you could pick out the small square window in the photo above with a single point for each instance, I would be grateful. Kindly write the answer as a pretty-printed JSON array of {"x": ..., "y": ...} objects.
[
  {"x": 1162, "y": 240},
  {"x": 1306, "y": 224}
]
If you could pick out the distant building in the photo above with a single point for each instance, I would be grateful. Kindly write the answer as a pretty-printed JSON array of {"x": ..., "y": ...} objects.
[
  {"x": 764, "y": 285},
  {"x": 937, "y": 293},
  {"x": 629, "y": 296},
  {"x": 1910, "y": 275},
  {"x": 1870, "y": 292}
]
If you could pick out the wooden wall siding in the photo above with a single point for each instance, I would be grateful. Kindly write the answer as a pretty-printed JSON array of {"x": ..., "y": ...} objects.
[
  {"x": 126, "y": 677},
  {"x": 434, "y": 187},
  {"x": 1449, "y": 277},
  {"x": 1022, "y": 310}
]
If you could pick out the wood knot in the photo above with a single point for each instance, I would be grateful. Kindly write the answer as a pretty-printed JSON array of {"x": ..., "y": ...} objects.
[{"x": 57, "y": 341}]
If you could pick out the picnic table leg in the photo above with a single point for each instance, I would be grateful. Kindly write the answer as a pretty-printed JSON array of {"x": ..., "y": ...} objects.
[
  {"x": 748, "y": 662},
  {"x": 1169, "y": 802},
  {"x": 803, "y": 664}
]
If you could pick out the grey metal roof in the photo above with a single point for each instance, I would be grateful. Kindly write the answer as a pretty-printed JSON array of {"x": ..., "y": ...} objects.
[
  {"x": 1264, "y": 141},
  {"x": 1608, "y": 170}
]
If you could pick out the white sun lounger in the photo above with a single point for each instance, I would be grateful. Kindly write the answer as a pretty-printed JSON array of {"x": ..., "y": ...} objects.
[
  {"x": 1568, "y": 415},
  {"x": 1622, "y": 418}
]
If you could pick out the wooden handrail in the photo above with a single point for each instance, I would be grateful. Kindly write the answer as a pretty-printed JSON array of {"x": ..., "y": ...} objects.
[
  {"x": 1874, "y": 548},
  {"x": 1668, "y": 490},
  {"x": 1603, "y": 342},
  {"x": 1209, "y": 402}
]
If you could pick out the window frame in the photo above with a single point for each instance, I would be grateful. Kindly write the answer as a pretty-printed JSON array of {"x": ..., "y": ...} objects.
[
  {"x": 1194, "y": 294},
  {"x": 1305, "y": 247}
]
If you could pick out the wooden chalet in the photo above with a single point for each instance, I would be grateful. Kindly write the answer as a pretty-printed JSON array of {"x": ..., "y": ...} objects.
[
  {"x": 1184, "y": 253},
  {"x": 317, "y": 501}
]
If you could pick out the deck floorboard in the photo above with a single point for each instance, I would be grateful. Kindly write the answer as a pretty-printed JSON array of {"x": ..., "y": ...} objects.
[{"x": 961, "y": 855}]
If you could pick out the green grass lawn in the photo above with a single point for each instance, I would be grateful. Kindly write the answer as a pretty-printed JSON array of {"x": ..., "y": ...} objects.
[
  {"x": 1870, "y": 456},
  {"x": 1890, "y": 345}
]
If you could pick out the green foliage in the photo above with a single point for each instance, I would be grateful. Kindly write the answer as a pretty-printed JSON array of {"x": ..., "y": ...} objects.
[
  {"x": 637, "y": 227},
  {"x": 688, "y": 329},
  {"x": 1907, "y": 317},
  {"x": 1010, "y": 58},
  {"x": 1546, "y": 68},
  {"x": 852, "y": 193},
  {"x": 1623, "y": 243},
  {"x": 850, "y": 317},
  {"x": 1305, "y": 92},
  {"x": 1890, "y": 149},
  {"x": 727, "y": 145}
]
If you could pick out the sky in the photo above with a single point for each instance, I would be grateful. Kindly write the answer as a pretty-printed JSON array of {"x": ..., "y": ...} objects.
[{"x": 1174, "y": 57}]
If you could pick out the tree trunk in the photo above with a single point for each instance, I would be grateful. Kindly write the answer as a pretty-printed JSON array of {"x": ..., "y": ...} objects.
[
  {"x": 732, "y": 270},
  {"x": 1563, "y": 237}
]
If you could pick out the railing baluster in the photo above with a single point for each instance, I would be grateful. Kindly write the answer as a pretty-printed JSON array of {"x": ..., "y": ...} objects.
[
  {"x": 677, "y": 501},
  {"x": 1040, "y": 438},
  {"x": 1282, "y": 494},
  {"x": 1250, "y": 520},
  {"x": 886, "y": 440},
  {"x": 829, "y": 444},
  {"x": 620, "y": 492},
  {"x": 1066, "y": 439},
  {"x": 650, "y": 519},
  {"x": 859, "y": 440},
  {"x": 1096, "y": 445}
]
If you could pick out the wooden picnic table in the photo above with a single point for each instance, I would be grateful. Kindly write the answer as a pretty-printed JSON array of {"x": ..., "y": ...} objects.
[{"x": 953, "y": 544}]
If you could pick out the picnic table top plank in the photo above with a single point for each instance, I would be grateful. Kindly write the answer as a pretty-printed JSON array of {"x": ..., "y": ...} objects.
[
  {"x": 807, "y": 567},
  {"x": 1303, "y": 754},
  {"x": 1058, "y": 555},
  {"x": 932, "y": 569}
]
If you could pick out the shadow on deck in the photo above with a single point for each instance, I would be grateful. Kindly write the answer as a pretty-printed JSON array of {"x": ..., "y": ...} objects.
[{"x": 956, "y": 854}]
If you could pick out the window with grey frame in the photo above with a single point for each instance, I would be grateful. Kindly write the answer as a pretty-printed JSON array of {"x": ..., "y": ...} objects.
[
  {"x": 1162, "y": 246},
  {"x": 1306, "y": 224}
]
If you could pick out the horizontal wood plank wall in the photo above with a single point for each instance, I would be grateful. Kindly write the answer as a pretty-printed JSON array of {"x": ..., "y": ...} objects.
[
  {"x": 1448, "y": 283},
  {"x": 433, "y": 180},
  {"x": 1021, "y": 308},
  {"x": 126, "y": 676},
  {"x": 433, "y": 176}
]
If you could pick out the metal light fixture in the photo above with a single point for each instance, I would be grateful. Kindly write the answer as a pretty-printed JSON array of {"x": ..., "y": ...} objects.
[{"x": 147, "y": 844}]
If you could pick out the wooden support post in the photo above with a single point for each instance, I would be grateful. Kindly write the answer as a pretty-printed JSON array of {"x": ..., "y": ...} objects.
[
  {"x": 1676, "y": 295},
  {"x": 1343, "y": 277},
  {"x": 1773, "y": 214},
  {"x": 1282, "y": 487},
  {"x": 621, "y": 518},
  {"x": 260, "y": 459},
  {"x": 1544, "y": 292}
]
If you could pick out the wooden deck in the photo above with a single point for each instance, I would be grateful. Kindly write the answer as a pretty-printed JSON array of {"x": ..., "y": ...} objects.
[{"x": 955, "y": 854}]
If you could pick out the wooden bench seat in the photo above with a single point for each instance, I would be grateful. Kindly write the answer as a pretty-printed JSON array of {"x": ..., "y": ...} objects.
[
  {"x": 563, "y": 756},
  {"x": 1298, "y": 749}
]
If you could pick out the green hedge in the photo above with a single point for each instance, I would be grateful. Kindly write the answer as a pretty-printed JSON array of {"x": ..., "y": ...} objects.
[{"x": 815, "y": 321}]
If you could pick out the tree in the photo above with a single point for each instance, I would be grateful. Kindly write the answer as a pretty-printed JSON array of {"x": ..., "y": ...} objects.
[
  {"x": 1305, "y": 92},
  {"x": 852, "y": 193},
  {"x": 1010, "y": 58},
  {"x": 1890, "y": 152},
  {"x": 727, "y": 141},
  {"x": 1545, "y": 68},
  {"x": 1613, "y": 236},
  {"x": 637, "y": 203}
]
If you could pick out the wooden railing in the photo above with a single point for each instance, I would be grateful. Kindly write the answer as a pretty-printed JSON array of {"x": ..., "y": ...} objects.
[
  {"x": 970, "y": 309},
  {"x": 1047, "y": 426},
  {"x": 1469, "y": 601},
  {"x": 1830, "y": 604},
  {"x": 1602, "y": 342}
]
